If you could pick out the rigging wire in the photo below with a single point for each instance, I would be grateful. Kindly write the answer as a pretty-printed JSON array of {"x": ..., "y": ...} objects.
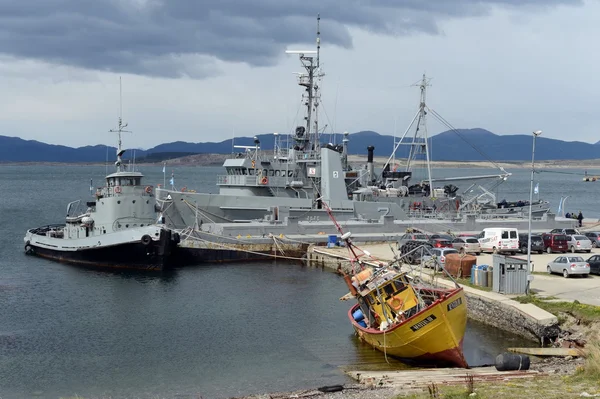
[
  {"x": 447, "y": 124},
  {"x": 558, "y": 172}
]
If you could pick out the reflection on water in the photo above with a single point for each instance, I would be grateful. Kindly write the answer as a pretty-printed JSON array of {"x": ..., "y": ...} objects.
[{"x": 218, "y": 331}]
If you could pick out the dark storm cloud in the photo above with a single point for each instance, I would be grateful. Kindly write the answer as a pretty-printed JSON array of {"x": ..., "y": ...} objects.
[{"x": 161, "y": 38}]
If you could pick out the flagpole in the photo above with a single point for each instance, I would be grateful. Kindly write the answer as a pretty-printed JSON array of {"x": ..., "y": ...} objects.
[{"x": 164, "y": 175}]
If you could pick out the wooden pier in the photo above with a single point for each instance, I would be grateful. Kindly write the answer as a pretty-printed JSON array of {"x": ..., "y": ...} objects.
[{"x": 422, "y": 378}]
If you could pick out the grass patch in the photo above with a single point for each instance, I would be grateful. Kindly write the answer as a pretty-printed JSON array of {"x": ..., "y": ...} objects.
[
  {"x": 551, "y": 387},
  {"x": 586, "y": 314},
  {"x": 467, "y": 282}
]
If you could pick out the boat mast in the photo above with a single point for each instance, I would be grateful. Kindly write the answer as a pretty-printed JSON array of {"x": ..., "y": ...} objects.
[
  {"x": 311, "y": 97},
  {"x": 120, "y": 129},
  {"x": 422, "y": 125},
  {"x": 317, "y": 83}
]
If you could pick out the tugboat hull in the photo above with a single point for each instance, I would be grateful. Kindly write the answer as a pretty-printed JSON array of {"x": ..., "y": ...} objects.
[{"x": 147, "y": 249}]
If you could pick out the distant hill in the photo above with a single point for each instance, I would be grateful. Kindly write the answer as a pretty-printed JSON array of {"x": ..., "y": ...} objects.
[
  {"x": 14, "y": 149},
  {"x": 462, "y": 145}
]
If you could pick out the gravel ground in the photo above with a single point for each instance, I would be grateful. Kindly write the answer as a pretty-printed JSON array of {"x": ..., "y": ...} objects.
[
  {"x": 549, "y": 365},
  {"x": 349, "y": 392}
]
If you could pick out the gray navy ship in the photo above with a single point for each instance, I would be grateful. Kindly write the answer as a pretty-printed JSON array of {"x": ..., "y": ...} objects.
[{"x": 281, "y": 192}]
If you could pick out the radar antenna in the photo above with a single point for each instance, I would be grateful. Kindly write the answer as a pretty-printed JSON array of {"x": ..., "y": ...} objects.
[{"x": 120, "y": 129}]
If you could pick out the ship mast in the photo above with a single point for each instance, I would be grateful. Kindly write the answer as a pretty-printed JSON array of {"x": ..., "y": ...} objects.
[
  {"x": 418, "y": 147},
  {"x": 317, "y": 83},
  {"x": 311, "y": 97},
  {"x": 120, "y": 129}
]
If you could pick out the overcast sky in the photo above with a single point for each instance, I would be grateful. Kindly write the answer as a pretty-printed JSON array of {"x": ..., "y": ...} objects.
[{"x": 205, "y": 70}]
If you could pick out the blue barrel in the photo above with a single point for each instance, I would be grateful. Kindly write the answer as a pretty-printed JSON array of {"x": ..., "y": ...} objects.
[
  {"x": 511, "y": 361},
  {"x": 331, "y": 240},
  {"x": 358, "y": 315},
  {"x": 362, "y": 323}
]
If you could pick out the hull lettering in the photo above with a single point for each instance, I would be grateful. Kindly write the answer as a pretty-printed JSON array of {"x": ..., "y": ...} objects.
[
  {"x": 423, "y": 323},
  {"x": 454, "y": 304}
]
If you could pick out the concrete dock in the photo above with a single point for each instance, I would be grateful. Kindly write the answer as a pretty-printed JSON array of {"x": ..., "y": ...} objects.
[
  {"x": 584, "y": 290},
  {"x": 495, "y": 309}
]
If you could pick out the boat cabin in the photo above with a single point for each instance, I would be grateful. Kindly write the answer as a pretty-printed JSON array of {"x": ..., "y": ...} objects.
[{"x": 392, "y": 300}]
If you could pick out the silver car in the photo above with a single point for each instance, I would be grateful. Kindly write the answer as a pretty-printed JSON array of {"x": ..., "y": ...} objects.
[
  {"x": 579, "y": 243},
  {"x": 469, "y": 245},
  {"x": 569, "y": 265},
  {"x": 594, "y": 236},
  {"x": 437, "y": 257}
]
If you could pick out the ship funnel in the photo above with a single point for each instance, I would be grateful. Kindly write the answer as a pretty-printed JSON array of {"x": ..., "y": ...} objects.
[{"x": 371, "y": 174}]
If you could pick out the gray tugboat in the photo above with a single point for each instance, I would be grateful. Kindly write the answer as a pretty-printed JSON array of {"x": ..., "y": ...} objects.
[{"x": 117, "y": 230}]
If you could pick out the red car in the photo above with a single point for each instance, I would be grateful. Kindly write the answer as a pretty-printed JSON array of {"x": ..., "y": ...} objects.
[{"x": 441, "y": 243}]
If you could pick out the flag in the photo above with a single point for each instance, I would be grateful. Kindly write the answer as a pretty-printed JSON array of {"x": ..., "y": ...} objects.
[
  {"x": 164, "y": 165},
  {"x": 172, "y": 181},
  {"x": 536, "y": 190},
  {"x": 560, "y": 206}
]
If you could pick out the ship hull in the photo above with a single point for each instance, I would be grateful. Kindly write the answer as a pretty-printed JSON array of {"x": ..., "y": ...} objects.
[
  {"x": 121, "y": 250},
  {"x": 185, "y": 209},
  {"x": 191, "y": 252},
  {"x": 434, "y": 335}
]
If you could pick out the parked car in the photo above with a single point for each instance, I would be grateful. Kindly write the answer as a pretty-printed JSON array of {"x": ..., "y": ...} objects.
[
  {"x": 568, "y": 266},
  {"x": 594, "y": 237},
  {"x": 438, "y": 257},
  {"x": 555, "y": 243},
  {"x": 579, "y": 243},
  {"x": 537, "y": 243},
  {"x": 441, "y": 235},
  {"x": 440, "y": 243},
  {"x": 568, "y": 232},
  {"x": 467, "y": 245},
  {"x": 412, "y": 237},
  {"x": 594, "y": 262}
]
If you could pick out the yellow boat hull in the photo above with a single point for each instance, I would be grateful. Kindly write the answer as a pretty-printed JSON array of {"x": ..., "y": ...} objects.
[{"x": 435, "y": 334}]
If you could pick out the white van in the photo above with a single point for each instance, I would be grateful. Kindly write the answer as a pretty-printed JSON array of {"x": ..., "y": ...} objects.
[{"x": 499, "y": 239}]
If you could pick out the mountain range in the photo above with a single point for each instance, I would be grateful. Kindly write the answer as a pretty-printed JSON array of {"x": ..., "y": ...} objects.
[{"x": 457, "y": 145}]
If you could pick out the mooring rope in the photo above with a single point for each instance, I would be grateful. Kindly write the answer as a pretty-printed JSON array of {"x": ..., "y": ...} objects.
[{"x": 245, "y": 250}]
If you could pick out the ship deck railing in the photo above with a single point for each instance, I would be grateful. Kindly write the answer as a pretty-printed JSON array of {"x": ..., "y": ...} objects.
[
  {"x": 109, "y": 191},
  {"x": 43, "y": 230},
  {"x": 253, "y": 181}
]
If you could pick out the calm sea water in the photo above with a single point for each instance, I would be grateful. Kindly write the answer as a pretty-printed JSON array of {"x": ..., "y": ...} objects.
[{"x": 216, "y": 331}]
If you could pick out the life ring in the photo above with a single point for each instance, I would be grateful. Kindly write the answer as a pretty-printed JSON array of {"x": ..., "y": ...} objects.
[
  {"x": 396, "y": 303},
  {"x": 264, "y": 180},
  {"x": 148, "y": 190},
  {"x": 118, "y": 189},
  {"x": 146, "y": 239}
]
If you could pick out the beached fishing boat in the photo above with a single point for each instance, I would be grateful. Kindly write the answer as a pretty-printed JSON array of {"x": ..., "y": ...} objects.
[
  {"x": 407, "y": 319},
  {"x": 401, "y": 315}
]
